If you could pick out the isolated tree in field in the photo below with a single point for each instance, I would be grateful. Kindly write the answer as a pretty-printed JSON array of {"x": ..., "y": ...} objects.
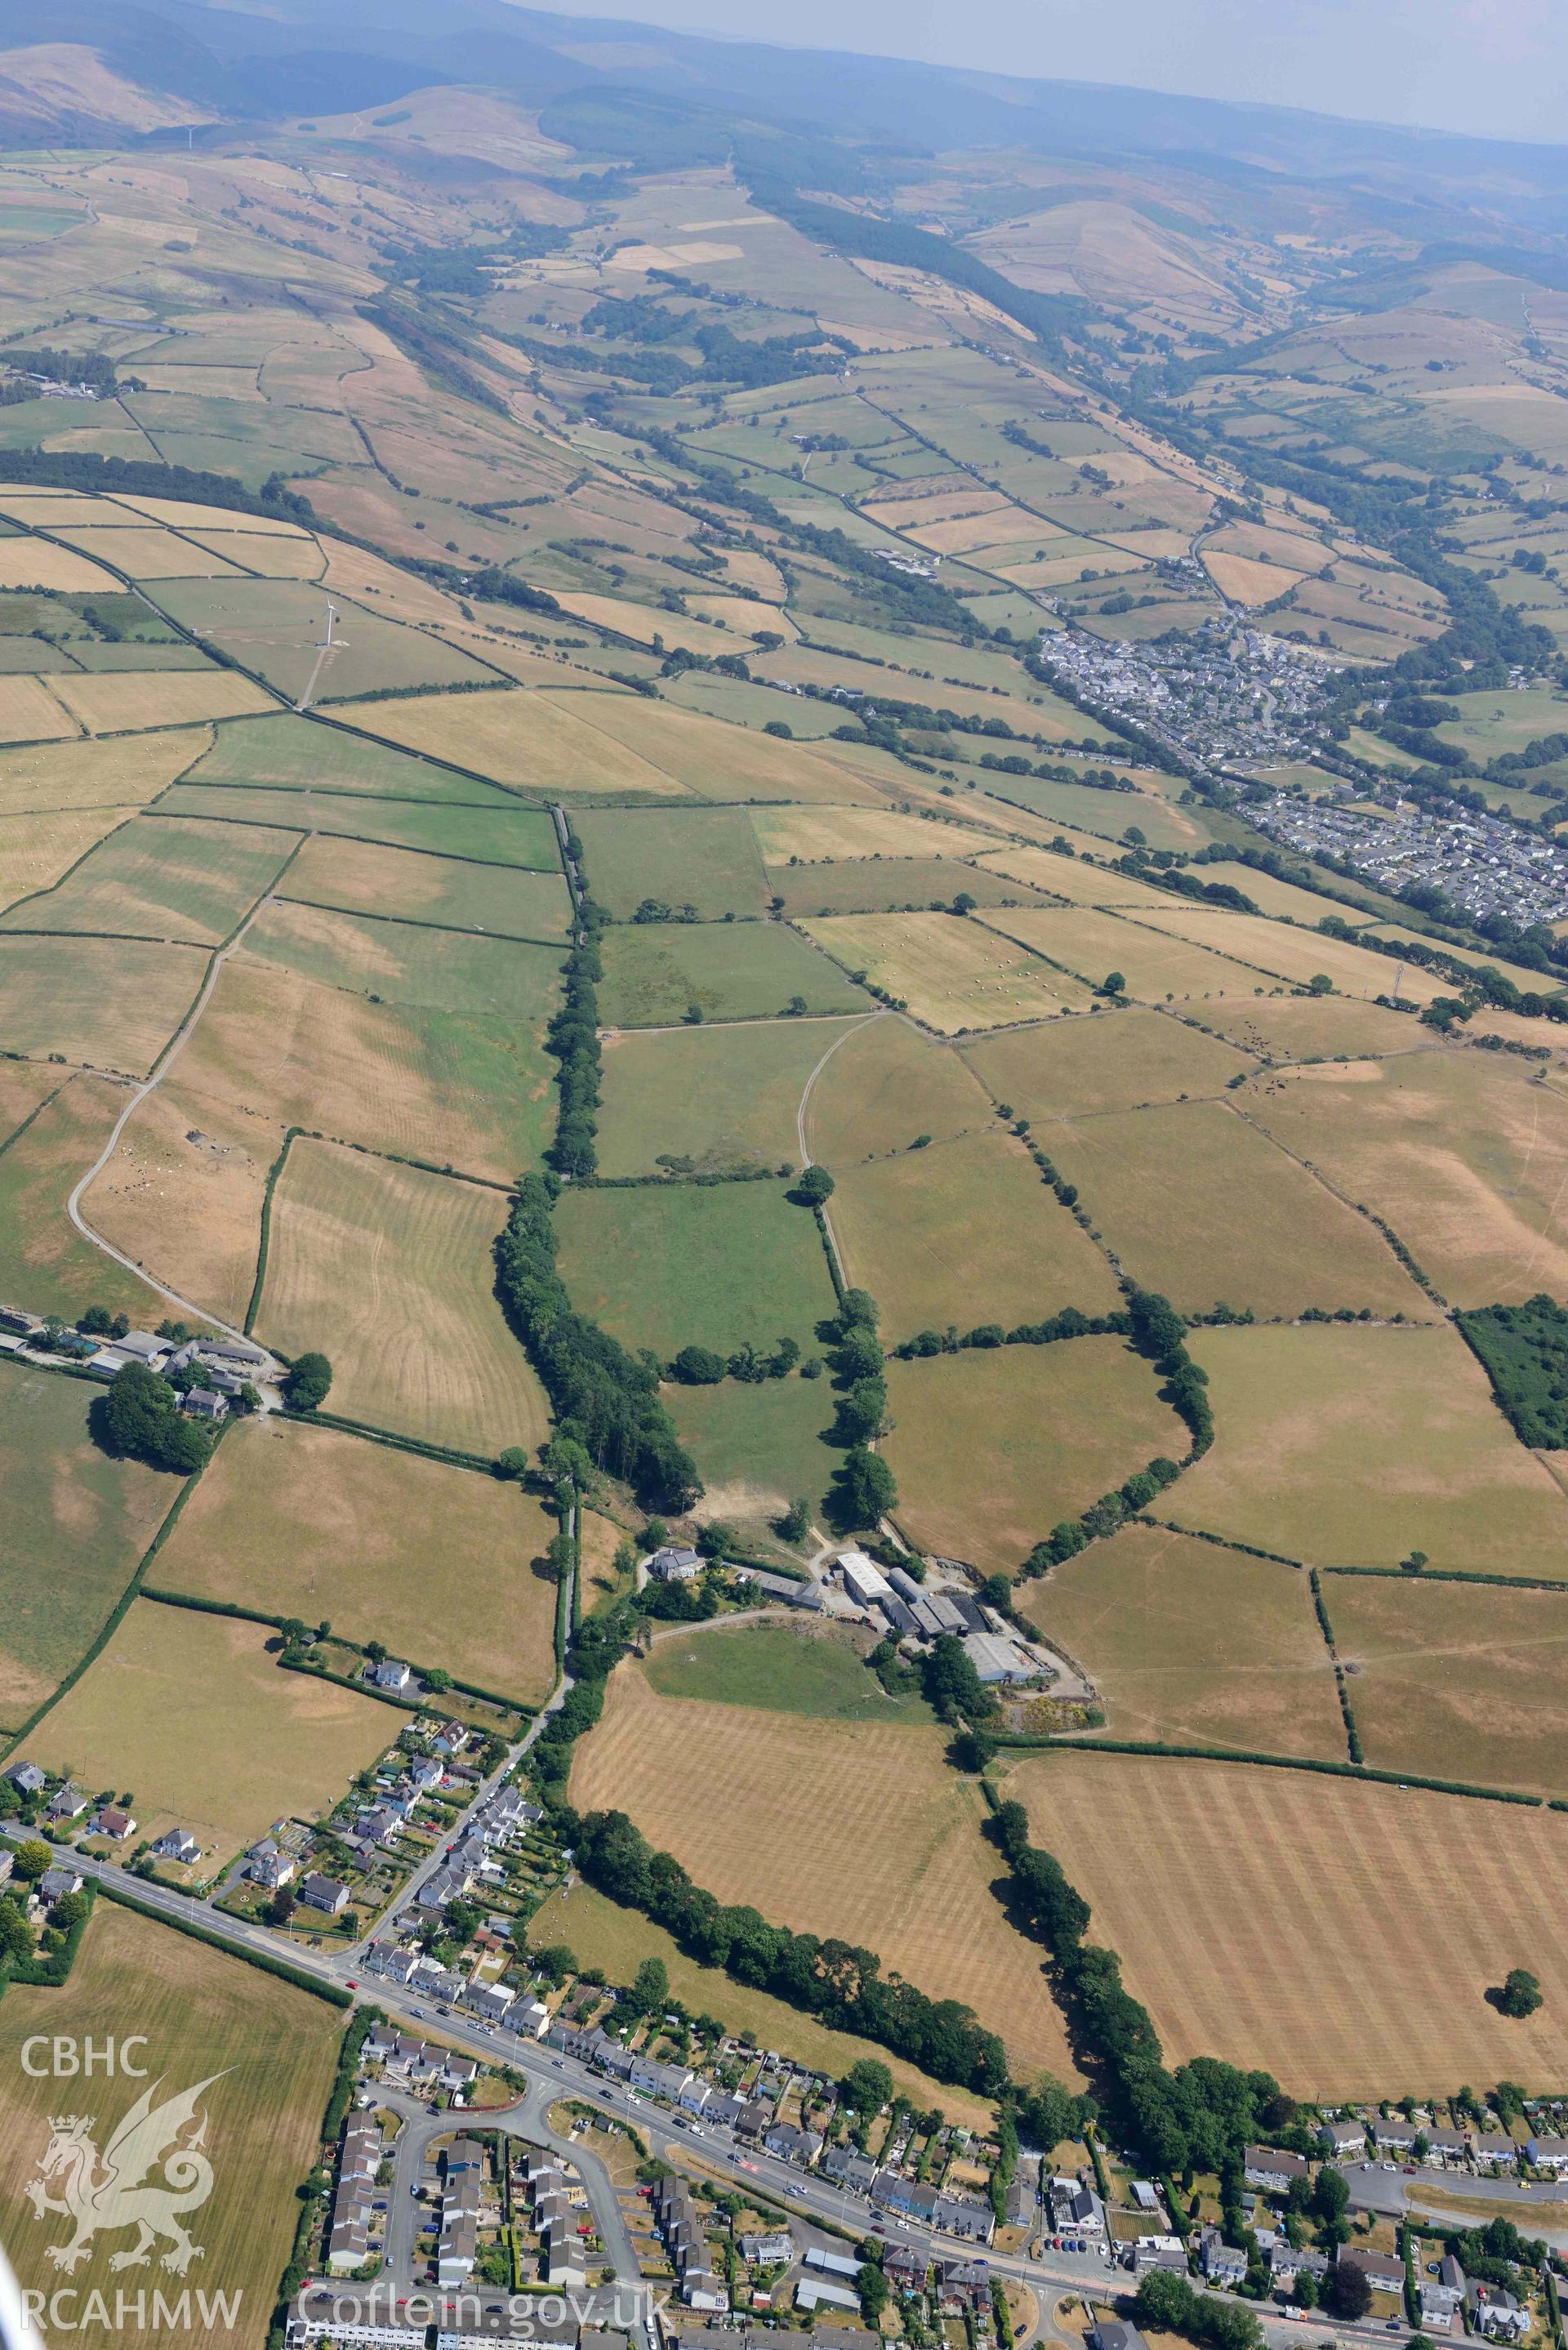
[
  {"x": 1521, "y": 1993},
  {"x": 1320, "y": 983},
  {"x": 1346, "y": 2291},
  {"x": 698, "y": 1367},
  {"x": 868, "y": 2086},
  {"x": 1113, "y": 984},
  {"x": 814, "y": 1186},
  {"x": 309, "y": 1383},
  {"x": 651, "y": 1988},
  {"x": 795, "y": 1522}
]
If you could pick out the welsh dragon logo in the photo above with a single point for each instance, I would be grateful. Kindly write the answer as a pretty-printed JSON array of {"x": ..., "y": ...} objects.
[{"x": 109, "y": 2191}]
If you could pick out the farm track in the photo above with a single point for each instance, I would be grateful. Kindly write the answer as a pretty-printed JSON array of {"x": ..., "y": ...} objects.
[{"x": 140, "y": 1094}]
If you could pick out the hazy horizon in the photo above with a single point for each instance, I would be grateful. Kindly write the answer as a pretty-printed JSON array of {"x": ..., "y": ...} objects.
[{"x": 1490, "y": 68}]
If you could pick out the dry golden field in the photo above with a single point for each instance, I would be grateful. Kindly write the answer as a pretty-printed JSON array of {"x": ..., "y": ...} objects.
[
  {"x": 801, "y": 1833},
  {"x": 1075, "y": 1068},
  {"x": 964, "y": 1232},
  {"x": 202, "y": 2013},
  {"x": 992, "y": 1447},
  {"x": 124, "y": 704},
  {"x": 1464, "y": 1154},
  {"x": 1198, "y": 1203},
  {"x": 1295, "y": 955},
  {"x": 193, "y": 1717},
  {"x": 1195, "y": 1644},
  {"x": 390, "y": 1270},
  {"x": 182, "y": 1195},
  {"x": 953, "y": 974},
  {"x": 29, "y": 711},
  {"x": 435, "y": 1562},
  {"x": 1341, "y": 1936},
  {"x": 34, "y": 851},
  {"x": 887, "y": 1084},
  {"x": 1352, "y": 1446},
  {"x": 1455, "y": 1679},
  {"x": 41, "y": 778}
]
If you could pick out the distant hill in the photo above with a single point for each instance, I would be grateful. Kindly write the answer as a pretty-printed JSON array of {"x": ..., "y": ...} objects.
[{"x": 674, "y": 101}]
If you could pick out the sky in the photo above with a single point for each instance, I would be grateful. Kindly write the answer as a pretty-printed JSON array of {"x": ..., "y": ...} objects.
[{"x": 1497, "y": 68}]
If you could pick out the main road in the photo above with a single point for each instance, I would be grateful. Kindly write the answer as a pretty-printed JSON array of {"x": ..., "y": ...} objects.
[{"x": 549, "y": 2074}]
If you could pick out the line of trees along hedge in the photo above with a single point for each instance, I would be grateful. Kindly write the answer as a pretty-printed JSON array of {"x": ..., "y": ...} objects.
[
  {"x": 606, "y": 1399},
  {"x": 573, "y": 1039},
  {"x": 603, "y": 1397},
  {"x": 1198, "y": 2117},
  {"x": 836, "y": 1982},
  {"x": 102, "y": 477}
]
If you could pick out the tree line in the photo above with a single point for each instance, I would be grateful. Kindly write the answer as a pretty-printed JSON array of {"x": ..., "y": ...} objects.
[{"x": 839, "y": 1982}]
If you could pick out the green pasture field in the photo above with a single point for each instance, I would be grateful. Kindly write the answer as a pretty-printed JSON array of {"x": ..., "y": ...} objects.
[
  {"x": 1195, "y": 1645},
  {"x": 717, "y": 1265},
  {"x": 409, "y": 962},
  {"x": 304, "y": 754},
  {"x": 753, "y": 705},
  {"x": 1349, "y": 1447},
  {"x": 203, "y": 2012},
  {"x": 77, "y": 1523},
  {"x": 1105, "y": 813},
  {"x": 25, "y": 656},
  {"x": 1196, "y": 1202},
  {"x": 992, "y": 1448},
  {"x": 809, "y": 1669},
  {"x": 758, "y": 1446},
  {"x": 722, "y": 1095},
  {"x": 964, "y": 1232},
  {"x": 707, "y": 858},
  {"x": 161, "y": 879},
  {"x": 466, "y": 1089},
  {"x": 276, "y": 627},
  {"x": 1075, "y": 1068},
  {"x": 43, "y": 1263},
  {"x": 1429, "y": 1660},
  {"x": 112, "y": 1003},
  {"x": 1464, "y": 1153},
  {"x": 369, "y": 878},
  {"x": 871, "y": 885},
  {"x": 733, "y": 971},
  {"x": 99, "y": 659},
  {"x": 435, "y": 1562},
  {"x": 1490, "y": 724},
  {"x": 390, "y": 1272},
  {"x": 491, "y": 835},
  {"x": 886, "y": 1084},
  {"x": 195, "y": 1717}
]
